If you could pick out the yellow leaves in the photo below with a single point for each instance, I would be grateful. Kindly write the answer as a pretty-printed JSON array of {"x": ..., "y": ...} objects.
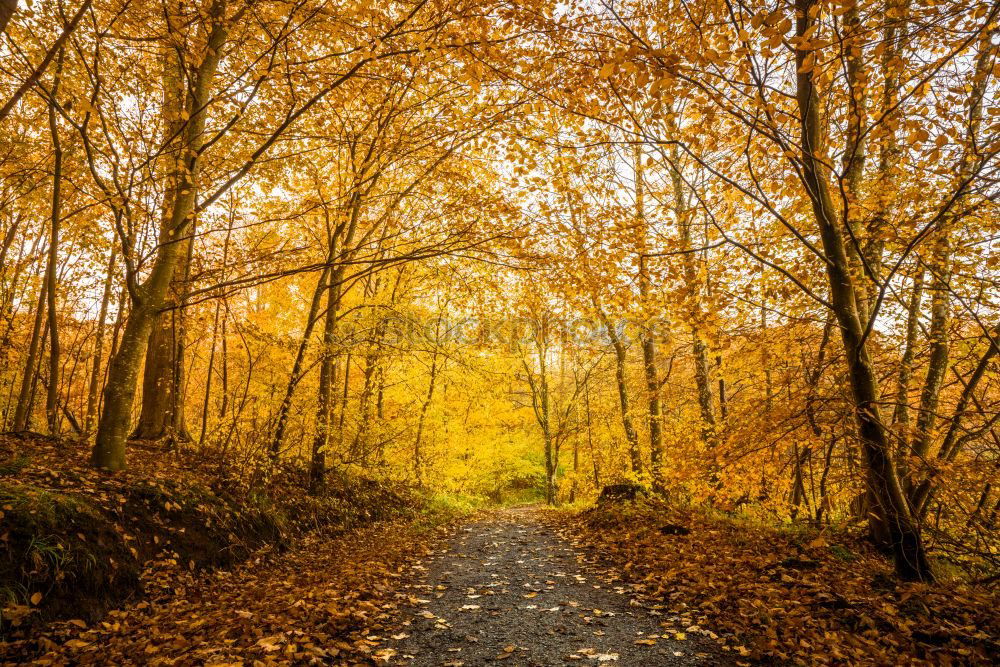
[{"x": 606, "y": 71}]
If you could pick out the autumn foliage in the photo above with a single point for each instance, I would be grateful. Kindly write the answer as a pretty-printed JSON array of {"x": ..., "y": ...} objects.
[{"x": 740, "y": 255}]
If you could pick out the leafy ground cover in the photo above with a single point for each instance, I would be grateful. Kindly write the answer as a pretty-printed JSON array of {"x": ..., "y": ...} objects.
[
  {"x": 75, "y": 542},
  {"x": 325, "y": 601},
  {"x": 779, "y": 597}
]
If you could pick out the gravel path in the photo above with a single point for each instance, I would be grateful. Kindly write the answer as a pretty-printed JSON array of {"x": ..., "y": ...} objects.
[{"x": 508, "y": 590}]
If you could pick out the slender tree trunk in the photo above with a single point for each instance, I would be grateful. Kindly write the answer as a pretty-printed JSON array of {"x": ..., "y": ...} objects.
[
  {"x": 22, "y": 412},
  {"x": 296, "y": 374},
  {"x": 952, "y": 443},
  {"x": 648, "y": 336},
  {"x": 329, "y": 367},
  {"x": 95, "y": 372},
  {"x": 701, "y": 369},
  {"x": 631, "y": 437},
  {"x": 723, "y": 408},
  {"x": 941, "y": 269},
  {"x": 937, "y": 363},
  {"x": 894, "y": 510},
  {"x": 211, "y": 354},
  {"x": 590, "y": 434},
  {"x": 901, "y": 413},
  {"x": 545, "y": 413},
  {"x": 369, "y": 390},
  {"x": 344, "y": 396},
  {"x": 52, "y": 395},
  {"x": 418, "y": 456},
  {"x": 208, "y": 379},
  {"x": 327, "y": 373}
]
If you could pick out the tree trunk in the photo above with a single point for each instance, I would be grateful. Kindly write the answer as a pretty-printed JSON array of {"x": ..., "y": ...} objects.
[
  {"x": 655, "y": 412},
  {"x": 95, "y": 372},
  {"x": 590, "y": 434},
  {"x": 7, "y": 9},
  {"x": 631, "y": 437},
  {"x": 327, "y": 374},
  {"x": 162, "y": 413},
  {"x": 52, "y": 395},
  {"x": 941, "y": 268},
  {"x": 296, "y": 374},
  {"x": 937, "y": 364},
  {"x": 904, "y": 529},
  {"x": 952, "y": 443},
  {"x": 901, "y": 413},
  {"x": 150, "y": 296},
  {"x": 701, "y": 369},
  {"x": 418, "y": 457},
  {"x": 22, "y": 412},
  {"x": 211, "y": 354}
]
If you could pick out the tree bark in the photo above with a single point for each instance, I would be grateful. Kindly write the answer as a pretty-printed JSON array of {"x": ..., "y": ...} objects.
[
  {"x": 700, "y": 349},
  {"x": 7, "y": 9},
  {"x": 22, "y": 412},
  {"x": 648, "y": 335},
  {"x": 631, "y": 437},
  {"x": 901, "y": 413},
  {"x": 941, "y": 268},
  {"x": 150, "y": 296},
  {"x": 212, "y": 345},
  {"x": 296, "y": 374},
  {"x": 893, "y": 509},
  {"x": 95, "y": 373},
  {"x": 327, "y": 374},
  {"x": 162, "y": 413},
  {"x": 52, "y": 394}
]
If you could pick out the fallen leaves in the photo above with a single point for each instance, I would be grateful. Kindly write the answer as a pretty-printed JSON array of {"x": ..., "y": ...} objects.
[
  {"x": 770, "y": 597},
  {"x": 324, "y": 599}
]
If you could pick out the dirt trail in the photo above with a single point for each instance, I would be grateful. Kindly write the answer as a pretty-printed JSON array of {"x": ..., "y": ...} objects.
[{"x": 508, "y": 590}]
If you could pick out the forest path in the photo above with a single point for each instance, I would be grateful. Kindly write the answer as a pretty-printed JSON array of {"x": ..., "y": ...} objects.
[{"x": 507, "y": 589}]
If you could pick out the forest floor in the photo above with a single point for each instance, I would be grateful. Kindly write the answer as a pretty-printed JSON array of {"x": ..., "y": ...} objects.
[
  {"x": 785, "y": 595},
  {"x": 174, "y": 563},
  {"x": 324, "y": 601}
]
